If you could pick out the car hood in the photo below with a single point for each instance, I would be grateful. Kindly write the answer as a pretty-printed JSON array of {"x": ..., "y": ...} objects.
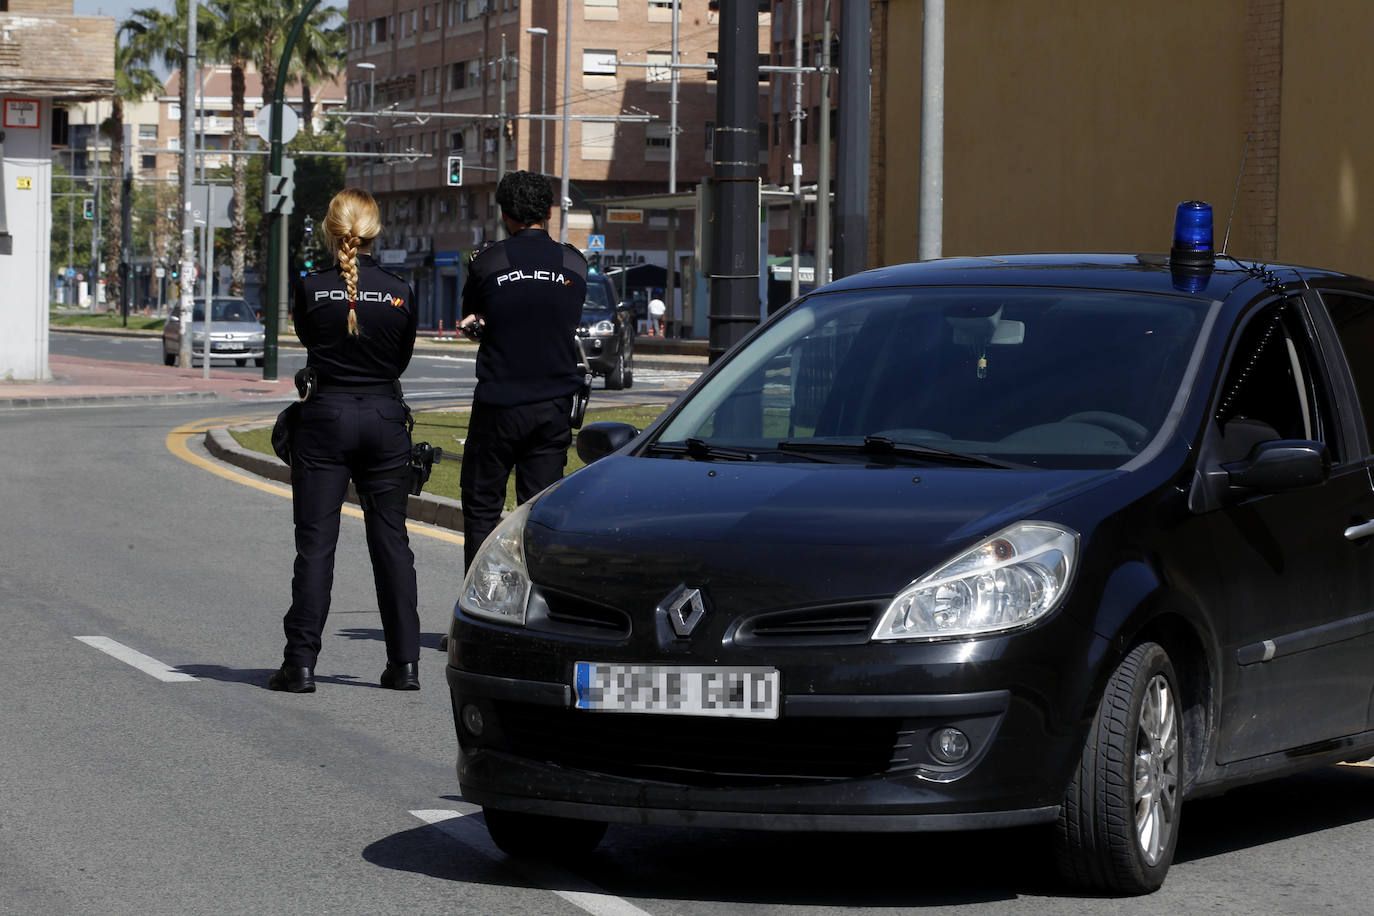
[{"x": 782, "y": 533}]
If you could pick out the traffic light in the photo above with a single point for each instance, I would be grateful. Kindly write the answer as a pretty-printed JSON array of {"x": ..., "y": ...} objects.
[
  {"x": 174, "y": 273},
  {"x": 88, "y": 208},
  {"x": 455, "y": 170}
]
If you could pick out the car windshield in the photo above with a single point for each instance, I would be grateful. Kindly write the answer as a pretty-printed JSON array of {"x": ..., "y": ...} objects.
[
  {"x": 975, "y": 377},
  {"x": 224, "y": 310}
]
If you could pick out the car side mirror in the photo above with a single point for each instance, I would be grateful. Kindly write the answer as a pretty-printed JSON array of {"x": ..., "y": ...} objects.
[
  {"x": 597, "y": 440},
  {"x": 1279, "y": 465}
]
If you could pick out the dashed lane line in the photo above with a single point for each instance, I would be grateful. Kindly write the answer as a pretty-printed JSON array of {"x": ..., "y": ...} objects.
[
  {"x": 578, "y": 891},
  {"x": 177, "y": 444},
  {"x": 145, "y": 663}
]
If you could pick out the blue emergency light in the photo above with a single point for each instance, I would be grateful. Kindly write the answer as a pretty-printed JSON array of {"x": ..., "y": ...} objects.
[{"x": 1192, "y": 234}]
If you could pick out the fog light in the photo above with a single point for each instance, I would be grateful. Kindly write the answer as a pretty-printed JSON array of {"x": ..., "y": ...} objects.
[
  {"x": 472, "y": 720},
  {"x": 949, "y": 745}
]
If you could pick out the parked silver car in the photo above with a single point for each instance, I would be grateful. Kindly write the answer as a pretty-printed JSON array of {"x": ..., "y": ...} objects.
[{"x": 235, "y": 332}]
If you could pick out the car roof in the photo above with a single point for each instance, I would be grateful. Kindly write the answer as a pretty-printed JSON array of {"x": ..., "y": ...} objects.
[{"x": 1133, "y": 272}]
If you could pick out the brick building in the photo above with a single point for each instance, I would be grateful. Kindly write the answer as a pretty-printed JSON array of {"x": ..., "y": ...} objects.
[{"x": 444, "y": 59}]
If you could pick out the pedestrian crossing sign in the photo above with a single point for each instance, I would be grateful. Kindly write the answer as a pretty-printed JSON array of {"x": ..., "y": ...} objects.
[{"x": 596, "y": 243}]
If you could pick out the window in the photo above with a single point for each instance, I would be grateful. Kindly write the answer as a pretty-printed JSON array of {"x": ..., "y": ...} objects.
[
  {"x": 456, "y": 142},
  {"x": 147, "y": 132},
  {"x": 657, "y": 137},
  {"x": 376, "y": 30},
  {"x": 598, "y": 61},
  {"x": 598, "y": 140},
  {"x": 1353, "y": 317},
  {"x": 463, "y": 75},
  {"x": 148, "y": 161},
  {"x": 659, "y": 73}
]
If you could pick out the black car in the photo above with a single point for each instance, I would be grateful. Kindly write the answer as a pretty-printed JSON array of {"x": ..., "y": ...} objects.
[
  {"x": 980, "y": 542},
  {"x": 607, "y": 332}
]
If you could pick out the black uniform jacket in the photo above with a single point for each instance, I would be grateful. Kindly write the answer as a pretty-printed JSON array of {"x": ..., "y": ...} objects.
[
  {"x": 386, "y": 324},
  {"x": 529, "y": 291}
]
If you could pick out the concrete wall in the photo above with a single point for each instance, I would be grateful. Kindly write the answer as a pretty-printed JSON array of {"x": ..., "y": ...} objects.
[
  {"x": 1080, "y": 124},
  {"x": 27, "y": 183}
]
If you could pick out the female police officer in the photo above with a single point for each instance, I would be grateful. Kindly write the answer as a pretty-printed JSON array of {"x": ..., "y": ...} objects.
[{"x": 358, "y": 323}]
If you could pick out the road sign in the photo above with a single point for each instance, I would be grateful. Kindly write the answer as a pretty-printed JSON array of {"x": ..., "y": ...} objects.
[
  {"x": 290, "y": 124},
  {"x": 624, "y": 215},
  {"x": 596, "y": 243}
]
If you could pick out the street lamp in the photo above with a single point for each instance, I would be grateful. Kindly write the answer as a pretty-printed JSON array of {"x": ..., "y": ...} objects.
[
  {"x": 371, "y": 106},
  {"x": 543, "y": 34}
]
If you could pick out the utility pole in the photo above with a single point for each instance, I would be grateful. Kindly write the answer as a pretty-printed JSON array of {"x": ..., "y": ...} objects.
[
  {"x": 734, "y": 268},
  {"x": 823, "y": 165},
  {"x": 798, "y": 113},
  {"x": 564, "y": 200},
  {"x": 931, "y": 206},
  {"x": 188, "y": 229},
  {"x": 670, "y": 302},
  {"x": 851, "y": 165}
]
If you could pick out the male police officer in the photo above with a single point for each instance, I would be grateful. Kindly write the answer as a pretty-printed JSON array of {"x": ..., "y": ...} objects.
[{"x": 523, "y": 297}]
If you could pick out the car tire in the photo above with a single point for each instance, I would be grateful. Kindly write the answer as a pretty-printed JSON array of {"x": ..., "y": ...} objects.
[
  {"x": 169, "y": 359},
  {"x": 615, "y": 379},
  {"x": 1118, "y": 825},
  {"x": 540, "y": 836},
  {"x": 630, "y": 367}
]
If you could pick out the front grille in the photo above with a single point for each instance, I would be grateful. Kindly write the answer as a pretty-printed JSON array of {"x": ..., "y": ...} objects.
[
  {"x": 831, "y": 625},
  {"x": 701, "y": 751},
  {"x": 570, "y": 615}
]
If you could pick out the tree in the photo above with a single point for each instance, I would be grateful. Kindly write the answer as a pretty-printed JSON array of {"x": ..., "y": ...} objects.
[
  {"x": 321, "y": 50},
  {"x": 134, "y": 80}
]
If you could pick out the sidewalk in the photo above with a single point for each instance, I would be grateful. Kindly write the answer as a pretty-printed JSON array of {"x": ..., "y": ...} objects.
[{"x": 78, "y": 381}]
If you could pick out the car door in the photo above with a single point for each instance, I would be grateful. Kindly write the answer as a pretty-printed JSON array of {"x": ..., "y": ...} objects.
[{"x": 1293, "y": 593}]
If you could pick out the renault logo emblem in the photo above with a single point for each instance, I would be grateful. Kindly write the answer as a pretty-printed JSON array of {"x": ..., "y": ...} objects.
[{"x": 685, "y": 608}]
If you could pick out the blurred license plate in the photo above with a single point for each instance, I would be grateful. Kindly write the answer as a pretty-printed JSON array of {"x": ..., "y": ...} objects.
[
  {"x": 230, "y": 348},
  {"x": 681, "y": 690}
]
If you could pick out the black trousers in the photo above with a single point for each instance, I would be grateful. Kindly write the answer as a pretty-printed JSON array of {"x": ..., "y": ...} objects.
[
  {"x": 362, "y": 438},
  {"x": 533, "y": 439}
]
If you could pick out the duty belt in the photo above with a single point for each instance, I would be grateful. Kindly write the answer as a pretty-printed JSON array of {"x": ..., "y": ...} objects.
[{"x": 330, "y": 386}]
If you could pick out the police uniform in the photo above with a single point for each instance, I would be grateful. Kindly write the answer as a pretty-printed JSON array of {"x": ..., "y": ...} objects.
[
  {"x": 355, "y": 428},
  {"x": 528, "y": 289}
]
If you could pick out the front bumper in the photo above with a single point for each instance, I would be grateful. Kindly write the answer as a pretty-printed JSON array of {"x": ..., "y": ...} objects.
[
  {"x": 851, "y": 750},
  {"x": 601, "y": 353}
]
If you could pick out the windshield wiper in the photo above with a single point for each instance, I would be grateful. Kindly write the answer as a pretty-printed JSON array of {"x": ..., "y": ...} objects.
[
  {"x": 882, "y": 445},
  {"x": 701, "y": 450}
]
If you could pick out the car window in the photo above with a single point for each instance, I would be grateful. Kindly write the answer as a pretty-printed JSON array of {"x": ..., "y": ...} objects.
[
  {"x": 1045, "y": 377},
  {"x": 1353, "y": 317},
  {"x": 597, "y": 295},
  {"x": 1272, "y": 389}
]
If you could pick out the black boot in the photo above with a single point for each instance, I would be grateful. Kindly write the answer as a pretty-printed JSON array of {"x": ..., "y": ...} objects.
[
  {"x": 401, "y": 676},
  {"x": 293, "y": 679}
]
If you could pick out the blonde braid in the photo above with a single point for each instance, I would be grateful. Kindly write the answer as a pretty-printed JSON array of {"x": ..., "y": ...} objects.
[{"x": 348, "y": 264}]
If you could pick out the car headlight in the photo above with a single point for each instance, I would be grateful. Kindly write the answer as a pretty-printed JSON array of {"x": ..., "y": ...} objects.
[
  {"x": 601, "y": 329},
  {"x": 1009, "y": 580},
  {"x": 197, "y": 337},
  {"x": 497, "y": 585}
]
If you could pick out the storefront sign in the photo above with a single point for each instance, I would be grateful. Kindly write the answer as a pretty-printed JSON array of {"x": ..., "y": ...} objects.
[{"x": 21, "y": 113}]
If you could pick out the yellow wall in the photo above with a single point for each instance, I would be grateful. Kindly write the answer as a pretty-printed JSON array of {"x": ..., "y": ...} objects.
[
  {"x": 1326, "y": 187},
  {"x": 1070, "y": 125}
]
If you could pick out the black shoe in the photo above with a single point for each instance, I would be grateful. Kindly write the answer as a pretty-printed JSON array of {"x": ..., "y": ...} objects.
[
  {"x": 293, "y": 679},
  {"x": 399, "y": 676}
]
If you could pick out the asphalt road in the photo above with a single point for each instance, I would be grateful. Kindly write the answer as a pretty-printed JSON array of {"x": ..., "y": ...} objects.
[
  {"x": 430, "y": 375},
  {"x": 123, "y": 792}
]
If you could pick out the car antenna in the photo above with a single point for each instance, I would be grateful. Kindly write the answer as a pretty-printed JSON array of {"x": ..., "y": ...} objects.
[{"x": 1232, "y": 215}]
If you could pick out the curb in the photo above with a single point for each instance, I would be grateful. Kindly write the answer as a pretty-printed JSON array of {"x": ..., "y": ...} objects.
[
  {"x": 106, "y": 400},
  {"x": 439, "y": 511}
]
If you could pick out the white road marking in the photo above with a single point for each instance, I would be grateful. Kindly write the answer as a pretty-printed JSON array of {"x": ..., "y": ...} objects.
[
  {"x": 145, "y": 663},
  {"x": 578, "y": 891}
]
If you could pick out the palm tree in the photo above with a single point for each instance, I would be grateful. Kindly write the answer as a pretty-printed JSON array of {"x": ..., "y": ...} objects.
[
  {"x": 321, "y": 49},
  {"x": 134, "y": 80}
]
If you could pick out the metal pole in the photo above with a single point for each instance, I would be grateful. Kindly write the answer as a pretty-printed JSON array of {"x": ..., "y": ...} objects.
[
  {"x": 543, "y": 34},
  {"x": 276, "y": 275},
  {"x": 823, "y": 165},
  {"x": 734, "y": 268},
  {"x": 188, "y": 230},
  {"x": 501, "y": 127},
  {"x": 207, "y": 289},
  {"x": 851, "y": 165},
  {"x": 669, "y": 281},
  {"x": 94, "y": 274},
  {"x": 798, "y": 112},
  {"x": 565, "y": 201},
  {"x": 930, "y": 220}
]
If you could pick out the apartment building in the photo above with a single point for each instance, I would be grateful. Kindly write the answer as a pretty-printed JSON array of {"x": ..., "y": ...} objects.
[{"x": 430, "y": 79}]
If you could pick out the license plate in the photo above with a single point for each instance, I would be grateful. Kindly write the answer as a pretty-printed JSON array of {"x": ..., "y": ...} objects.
[
  {"x": 230, "y": 348},
  {"x": 680, "y": 690}
]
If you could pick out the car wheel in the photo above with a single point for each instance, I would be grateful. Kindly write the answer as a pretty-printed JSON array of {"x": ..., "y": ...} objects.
[
  {"x": 169, "y": 359},
  {"x": 240, "y": 362},
  {"x": 630, "y": 368},
  {"x": 1118, "y": 825},
  {"x": 615, "y": 379},
  {"x": 539, "y": 836}
]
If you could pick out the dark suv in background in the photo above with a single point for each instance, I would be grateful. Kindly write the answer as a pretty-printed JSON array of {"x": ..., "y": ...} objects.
[{"x": 607, "y": 332}]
